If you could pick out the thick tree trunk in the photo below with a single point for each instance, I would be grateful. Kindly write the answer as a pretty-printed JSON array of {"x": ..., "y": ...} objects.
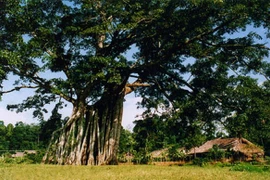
[{"x": 91, "y": 136}]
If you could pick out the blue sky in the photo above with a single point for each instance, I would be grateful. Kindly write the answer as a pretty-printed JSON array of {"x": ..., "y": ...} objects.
[{"x": 130, "y": 109}]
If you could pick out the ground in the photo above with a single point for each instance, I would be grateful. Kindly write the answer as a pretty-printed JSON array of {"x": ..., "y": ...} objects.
[{"x": 126, "y": 172}]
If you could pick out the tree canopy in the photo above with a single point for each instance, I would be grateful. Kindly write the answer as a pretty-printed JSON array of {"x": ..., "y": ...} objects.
[{"x": 19, "y": 137}]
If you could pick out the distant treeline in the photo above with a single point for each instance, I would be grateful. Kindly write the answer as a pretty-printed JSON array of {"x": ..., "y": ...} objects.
[{"x": 20, "y": 136}]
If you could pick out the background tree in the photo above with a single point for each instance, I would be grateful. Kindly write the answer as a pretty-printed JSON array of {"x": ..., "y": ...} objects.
[
  {"x": 52, "y": 124},
  {"x": 9, "y": 133},
  {"x": 149, "y": 134},
  {"x": 208, "y": 59},
  {"x": 3, "y": 139},
  {"x": 126, "y": 145},
  {"x": 249, "y": 104},
  {"x": 24, "y": 137},
  {"x": 74, "y": 51}
]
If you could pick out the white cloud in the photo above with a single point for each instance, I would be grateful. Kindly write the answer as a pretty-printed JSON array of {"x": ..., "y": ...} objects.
[
  {"x": 130, "y": 111},
  {"x": 13, "y": 117}
]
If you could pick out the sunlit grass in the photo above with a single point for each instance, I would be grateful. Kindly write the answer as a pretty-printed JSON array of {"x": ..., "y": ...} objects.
[{"x": 125, "y": 172}]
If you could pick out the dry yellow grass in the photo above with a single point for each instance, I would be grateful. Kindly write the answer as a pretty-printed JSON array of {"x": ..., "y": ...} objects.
[{"x": 123, "y": 172}]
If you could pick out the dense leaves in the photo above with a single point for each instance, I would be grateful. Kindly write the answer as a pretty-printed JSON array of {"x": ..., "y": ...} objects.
[{"x": 19, "y": 137}]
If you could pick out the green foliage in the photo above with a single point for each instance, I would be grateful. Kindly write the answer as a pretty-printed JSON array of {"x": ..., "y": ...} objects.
[
  {"x": 35, "y": 158},
  {"x": 174, "y": 154},
  {"x": 200, "y": 161},
  {"x": 249, "y": 106},
  {"x": 141, "y": 157},
  {"x": 267, "y": 159},
  {"x": 126, "y": 143},
  {"x": 250, "y": 168},
  {"x": 215, "y": 153},
  {"x": 149, "y": 134},
  {"x": 24, "y": 137},
  {"x": 8, "y": 159},
  {"x": 48, "y": 127},
  {"x": 3, "y": 137},
  {"x": 157, "y": 132},
  {"x": 32, "y": 158}
]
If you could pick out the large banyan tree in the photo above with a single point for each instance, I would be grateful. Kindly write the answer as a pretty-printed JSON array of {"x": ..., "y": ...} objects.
[{"x": 78, "y": 51}]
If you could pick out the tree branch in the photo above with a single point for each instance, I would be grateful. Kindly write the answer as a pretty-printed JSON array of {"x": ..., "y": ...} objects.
[
  {"x": 175, "y": 77},
  {"x": 129, "y": 88},
  {"x": 18, "y": 88},
  {"x": 199, "y": 36}
]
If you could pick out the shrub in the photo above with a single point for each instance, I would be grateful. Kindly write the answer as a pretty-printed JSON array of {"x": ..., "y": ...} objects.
[
  {"x": 200, "y": 161},
  {"x": 26, "y": 159},
  {"x": 35, "y": 158},
  {"x": 175, "y": 155},
  {"x": 122, "y": 157},
  {"x": 141, "y": 157},
  {"x": 17, "y": 160},
  {"x": 249, "y": 168},
  {"x": 215, "y": 153},
  {"x": 267, "y": 160}
]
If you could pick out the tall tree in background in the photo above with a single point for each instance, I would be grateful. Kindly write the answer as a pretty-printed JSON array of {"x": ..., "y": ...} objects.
[
  {"x": 250, "y": 106},
  {"x": 54, "y": 123},
  {"x": 3, "y": 139},
  {"x": 74, "y": 51},
  {"x": 24, "y": 137}
]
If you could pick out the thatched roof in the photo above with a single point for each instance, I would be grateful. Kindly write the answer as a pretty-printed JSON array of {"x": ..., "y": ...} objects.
[
  {"x": 159, "y": 153},
  {"x": 21, "y": 154},
  {"x": 235, "y": 144}
]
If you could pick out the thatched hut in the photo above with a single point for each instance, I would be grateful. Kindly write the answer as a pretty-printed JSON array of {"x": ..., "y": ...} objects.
[
  {"x": 22, "y": 154},
  {"x": 160, "y": 155},
  {"x": 242, "y": 148}
]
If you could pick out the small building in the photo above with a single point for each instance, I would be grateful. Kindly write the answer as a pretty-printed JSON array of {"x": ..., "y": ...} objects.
[
  {"x": 21, "y": 154},
  {"x": 242, "y": 148},
  {"x": 160, "y": 155}
]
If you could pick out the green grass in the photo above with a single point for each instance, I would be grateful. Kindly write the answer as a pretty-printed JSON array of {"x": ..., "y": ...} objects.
[
  {"x": 250, "y": 168},
  {"x": 124, "y": 172}
]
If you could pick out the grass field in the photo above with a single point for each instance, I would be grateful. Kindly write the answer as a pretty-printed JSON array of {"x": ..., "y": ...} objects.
[{"x": 124, "y": 172}]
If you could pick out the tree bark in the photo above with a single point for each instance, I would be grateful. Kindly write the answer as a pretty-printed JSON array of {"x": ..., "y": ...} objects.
[{"x": 91, "y": 136}]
